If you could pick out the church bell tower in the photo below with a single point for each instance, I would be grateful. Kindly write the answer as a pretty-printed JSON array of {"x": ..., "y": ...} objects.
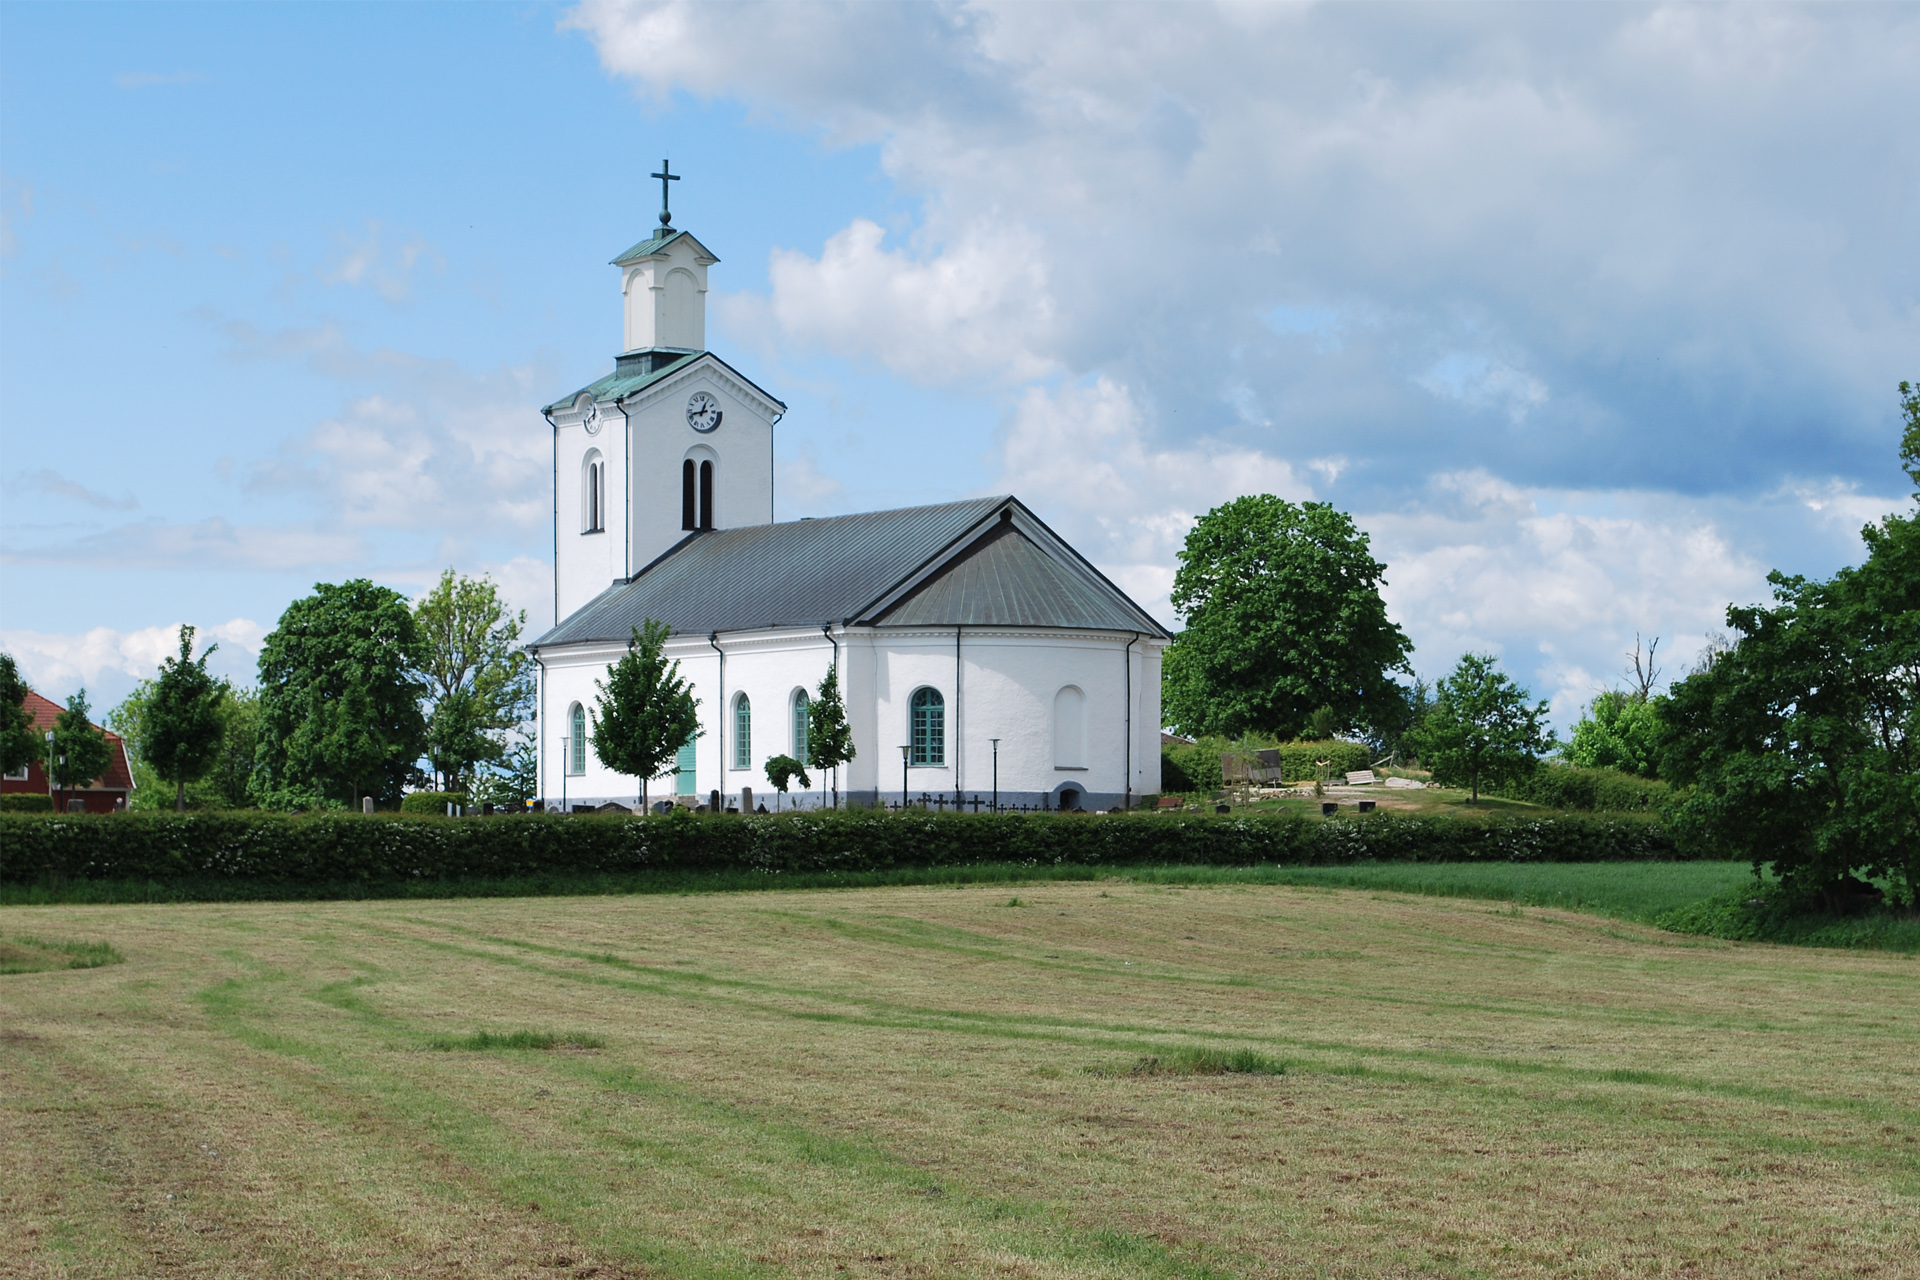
[{"x": 672, "y": 444}]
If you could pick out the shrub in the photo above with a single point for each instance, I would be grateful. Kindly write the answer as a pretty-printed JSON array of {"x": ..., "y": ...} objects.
[
  {"x": 26, "y": 802},
  {"x": 1560, "y": 786},
  {"x": 352, "y": 850},
  {"x": 431, "y": 801}
]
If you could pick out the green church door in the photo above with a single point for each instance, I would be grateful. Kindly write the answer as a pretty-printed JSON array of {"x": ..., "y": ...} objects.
[{"x": 683, "y": 765}]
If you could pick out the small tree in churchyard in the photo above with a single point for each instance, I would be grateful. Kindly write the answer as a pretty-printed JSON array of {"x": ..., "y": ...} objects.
[
  {"x": 183, "y": 727},
  {"x": 77, "y": 752},
  {"x": 19, "y": 746},
  {"x": 1481, "y": 728},
  {"x": 829, "y": 738},
  {"x": 784, "y": 769},
  {"x": 645, "y": 711}
]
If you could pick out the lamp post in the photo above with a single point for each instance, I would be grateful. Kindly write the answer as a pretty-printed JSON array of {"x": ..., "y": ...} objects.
[
  {"x": 50, "y": 800},
  {"x": 564, "y": 762},
  {"x": 903, "y": 778},
  {"x": 996, "y": 773}
]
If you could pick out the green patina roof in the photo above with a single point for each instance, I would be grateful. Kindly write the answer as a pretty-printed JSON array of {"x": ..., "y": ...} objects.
[
  {"x": 619, "y": 385},
  {"x": 655, "y": 243},
  {"x": 631, "y": 374}
]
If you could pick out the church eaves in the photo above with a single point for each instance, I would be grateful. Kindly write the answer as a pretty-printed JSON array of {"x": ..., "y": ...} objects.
[
  {"x": 637, "y": 370},
  {"x": 807, "y": 573},
  {"x": 657, "y": 243}
]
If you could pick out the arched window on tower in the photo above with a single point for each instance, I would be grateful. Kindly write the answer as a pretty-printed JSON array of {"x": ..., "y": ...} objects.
[
  {"x": 593, "y": 493},
  {"x": 929, "y": 736},
  {"x": 689, "y": 511},
  {"x": 742, "y": 733},
  {"x": 576, "y": 740},
  {"x": 706, "y": 495}
]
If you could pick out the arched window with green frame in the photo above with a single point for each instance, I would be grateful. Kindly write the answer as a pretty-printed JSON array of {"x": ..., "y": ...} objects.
[
  {"x": 929, "y": 737},
  {"x": 577, "y": 740},
  {"x": 742, "y": 732},
  {"x": 800, "y": 725}
]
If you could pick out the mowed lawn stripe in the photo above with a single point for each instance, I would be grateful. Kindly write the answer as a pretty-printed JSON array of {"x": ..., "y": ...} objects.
[
  {"x": 815, "y": 1004},
  {"x": 1540, "y": 1100}
]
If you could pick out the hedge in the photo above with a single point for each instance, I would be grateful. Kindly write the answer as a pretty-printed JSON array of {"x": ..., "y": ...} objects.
[
  {"x": 430, "y": 801},
  {"x": 348, "y": 847},
  {"x": 1561, "y": 786},
  {"x": 26, "y": 802}
]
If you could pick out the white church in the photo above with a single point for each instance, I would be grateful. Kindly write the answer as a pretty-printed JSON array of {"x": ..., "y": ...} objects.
[{"x": 973, "y": 645}]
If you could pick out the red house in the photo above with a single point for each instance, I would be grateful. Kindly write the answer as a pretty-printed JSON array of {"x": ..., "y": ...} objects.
[{"x": 105, "y": 794}]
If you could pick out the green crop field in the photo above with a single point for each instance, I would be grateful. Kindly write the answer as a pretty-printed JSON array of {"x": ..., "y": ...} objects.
[{"x": 1047, "y": 1079}]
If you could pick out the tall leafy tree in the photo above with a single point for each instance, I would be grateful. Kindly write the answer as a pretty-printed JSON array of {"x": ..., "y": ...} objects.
[
  {"x": 1800, "y": 742},
  {"x": 1283, "y": 617},
  {"x": 182, "y": 728},
  {"x": 829, "y": 737},
  {"x": 78, "y": 753},
  {"x": 1482, "y": 727},
  {"x": 479, "y": 681},
  {"x": 19, "y": 745},
  {"x": 225, "y": 785},
  {"x": 1620, "y": 732},
  {"x": 645, "y": 711},
  {"x": 339, "y": 697}
]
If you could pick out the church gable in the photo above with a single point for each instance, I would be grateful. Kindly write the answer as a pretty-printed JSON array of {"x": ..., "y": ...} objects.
[{"x": 1004, "y": 579}]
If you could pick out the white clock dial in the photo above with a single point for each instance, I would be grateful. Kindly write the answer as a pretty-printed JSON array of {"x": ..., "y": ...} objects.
[
  {"x": 703, "y": 412},
  {"x": 589, "y": 414}
]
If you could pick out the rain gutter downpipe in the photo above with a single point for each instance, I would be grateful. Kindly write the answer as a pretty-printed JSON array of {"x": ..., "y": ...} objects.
[
  {"x": 556, "y": 514},
  {"x": 1129, "y": 665},
  {"x": 720, "y": 724}
]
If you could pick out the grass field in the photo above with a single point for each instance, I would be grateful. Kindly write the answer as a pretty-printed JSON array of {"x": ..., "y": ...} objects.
[{"x": 1109, "y": 1078}]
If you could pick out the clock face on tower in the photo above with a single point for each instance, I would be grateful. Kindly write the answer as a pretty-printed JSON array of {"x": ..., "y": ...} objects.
[{"x": 703, "y": 412}]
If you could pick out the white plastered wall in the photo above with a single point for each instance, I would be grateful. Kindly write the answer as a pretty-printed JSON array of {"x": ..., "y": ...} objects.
[{"x": 666, "y": 299}]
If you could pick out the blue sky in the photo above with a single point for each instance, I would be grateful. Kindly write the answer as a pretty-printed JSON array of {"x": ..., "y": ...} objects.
[{"x": 1591, "y": 315}]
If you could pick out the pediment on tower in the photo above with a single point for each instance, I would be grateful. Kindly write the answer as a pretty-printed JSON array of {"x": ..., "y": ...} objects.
[{"x": 643, "y": 378}]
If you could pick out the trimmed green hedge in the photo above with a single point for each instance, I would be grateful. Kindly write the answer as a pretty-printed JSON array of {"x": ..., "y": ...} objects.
[
  {"x": 339, "y": 848},
  {"x": 26, "y": 802},
  {"x": 435, "y": 802},
  {"x": 1563, "y": 786}
]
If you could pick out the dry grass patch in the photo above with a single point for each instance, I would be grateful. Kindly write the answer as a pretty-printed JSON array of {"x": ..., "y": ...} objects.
[{"x": 895, "y": 1082}]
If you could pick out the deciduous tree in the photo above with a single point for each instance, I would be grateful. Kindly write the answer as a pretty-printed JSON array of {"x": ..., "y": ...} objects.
[
  {"x": 479, "y": 681},
  {"x": 1800, "y": 741},
  {"x": 645, "y": 712},
  {"x": 829, "y": 737},
  {"x": 1283, "y": 616},
  {"x": 19, "y": 745},
  {"x": 181, "y": 731},
  {"x": 77, "y": 752},
  {"x": 1618, "y": 732},
  {"x": 1482, "y": 728},
  {"x": 339, "y": 697}
]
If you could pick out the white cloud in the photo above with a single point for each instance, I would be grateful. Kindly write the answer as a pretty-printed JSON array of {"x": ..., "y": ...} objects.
[
  {"x": 212, "y": 543},
  {"x": 1082, "y": 458},
  {"x": 973, "y": 310},
  {"x": 49, "y": 481},
  {"x": 374, "y": 260},
  {"x": 108, "y": 663},
  {"x": 1556, "y": 582}
]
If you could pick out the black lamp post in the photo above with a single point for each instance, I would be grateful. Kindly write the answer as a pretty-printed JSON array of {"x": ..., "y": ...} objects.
[
  {"x": 903, "y": 778},
  {"x": 566, "y": 762},
  {"x": 996, "y": 773}
]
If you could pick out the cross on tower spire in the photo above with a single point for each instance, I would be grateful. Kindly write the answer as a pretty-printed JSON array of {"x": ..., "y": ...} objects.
[{"x": 665, "y": 175}]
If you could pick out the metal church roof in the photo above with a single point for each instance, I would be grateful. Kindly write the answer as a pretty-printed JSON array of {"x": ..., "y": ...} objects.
[
  {"x": 841, "y": 569},
  {"x": 637, "y": 370},
  {"x": 1005, "y": 580},
  {"x": 659, "y": 240}
]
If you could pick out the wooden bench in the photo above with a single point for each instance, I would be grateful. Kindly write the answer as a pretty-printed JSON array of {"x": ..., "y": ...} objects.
[{"x": 1361, "y": 778}]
